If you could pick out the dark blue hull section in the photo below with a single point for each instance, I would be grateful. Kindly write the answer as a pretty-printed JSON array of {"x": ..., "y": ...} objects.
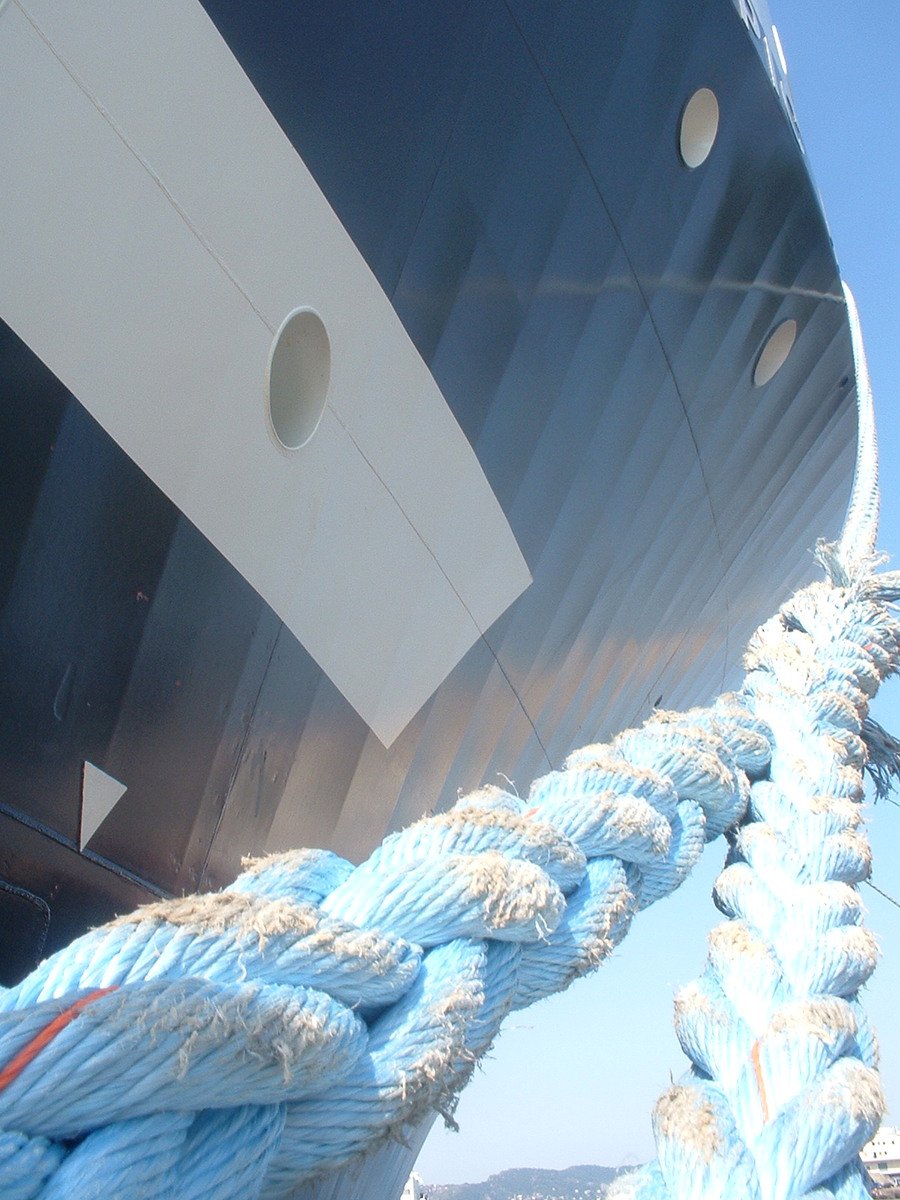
[{"x": 591, "y": 310}]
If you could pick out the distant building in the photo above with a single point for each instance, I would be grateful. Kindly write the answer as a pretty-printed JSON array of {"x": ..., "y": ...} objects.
[
  {"x": 413, "y": 1189},
  {"x": 881, "y": 1159}
]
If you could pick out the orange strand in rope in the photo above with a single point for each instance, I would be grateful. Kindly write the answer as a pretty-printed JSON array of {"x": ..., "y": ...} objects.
[
  {"x": 32, "y": 1049},
  {"x": 760, "y": 1082}
]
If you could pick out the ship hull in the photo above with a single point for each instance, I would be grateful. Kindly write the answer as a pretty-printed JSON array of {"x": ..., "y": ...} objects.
[{"x": 588, "y": 310}]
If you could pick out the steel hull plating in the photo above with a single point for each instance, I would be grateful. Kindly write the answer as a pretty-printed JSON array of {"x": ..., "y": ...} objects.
[{"x": 591, "y": 311}]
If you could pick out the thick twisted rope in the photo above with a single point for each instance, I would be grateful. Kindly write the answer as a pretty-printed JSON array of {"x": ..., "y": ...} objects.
[
  {"x": 236, "y": 1044},
  {"x": 299, "y": 1018},
  {"x": 314, "y": 1008},
  {"x": 783, "y": 1089}
]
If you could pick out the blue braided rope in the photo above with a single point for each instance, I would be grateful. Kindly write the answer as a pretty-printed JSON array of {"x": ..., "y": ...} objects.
[
  {"x": 783, "y": 1090},
  {"x": 234, "y": 1045},
  {"x": 330, "y": 1006}
]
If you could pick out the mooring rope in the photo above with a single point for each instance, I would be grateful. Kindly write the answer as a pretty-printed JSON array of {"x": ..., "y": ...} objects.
[
  {"x": 228, "y": 1046},
  {"x": 859, "y": 536},
  {"x": 783, "y": 1090},
  {"x": 331, "y": 1005}
]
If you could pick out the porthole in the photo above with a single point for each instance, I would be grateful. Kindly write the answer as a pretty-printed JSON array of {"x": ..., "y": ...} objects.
[
  {"x": 775, "y": 351},
  {"x": 297, "y": 376},
  {"x": 699, "y": 126}
]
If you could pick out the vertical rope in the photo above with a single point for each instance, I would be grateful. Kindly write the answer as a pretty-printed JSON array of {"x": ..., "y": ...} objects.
[
  {"x": 854, "y": 552},
  {"x": 783, "y": 1089}
]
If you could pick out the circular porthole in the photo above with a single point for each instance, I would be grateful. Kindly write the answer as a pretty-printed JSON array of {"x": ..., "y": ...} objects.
[
  {"x": 699, "y": 126},
  {"x": 297, "y": 377},
  {"x": 775, "y": 351}
]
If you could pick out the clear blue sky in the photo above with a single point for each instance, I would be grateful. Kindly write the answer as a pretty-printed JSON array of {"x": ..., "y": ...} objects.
[{"x": 573, "y": 1079}]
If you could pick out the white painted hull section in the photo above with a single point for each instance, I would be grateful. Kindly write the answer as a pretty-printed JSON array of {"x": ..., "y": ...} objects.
[{"x": 156, "y": 226}]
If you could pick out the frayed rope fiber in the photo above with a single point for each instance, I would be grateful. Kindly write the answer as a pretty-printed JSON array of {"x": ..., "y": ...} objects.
[{"x": 232, "y": 1046}]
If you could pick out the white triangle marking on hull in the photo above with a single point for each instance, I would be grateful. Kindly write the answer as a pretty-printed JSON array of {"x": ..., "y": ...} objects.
[{"x": 100, "y": 793}]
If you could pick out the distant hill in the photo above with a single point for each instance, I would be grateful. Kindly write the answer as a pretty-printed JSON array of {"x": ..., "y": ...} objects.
[{"x": 531, "y": 1183}]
